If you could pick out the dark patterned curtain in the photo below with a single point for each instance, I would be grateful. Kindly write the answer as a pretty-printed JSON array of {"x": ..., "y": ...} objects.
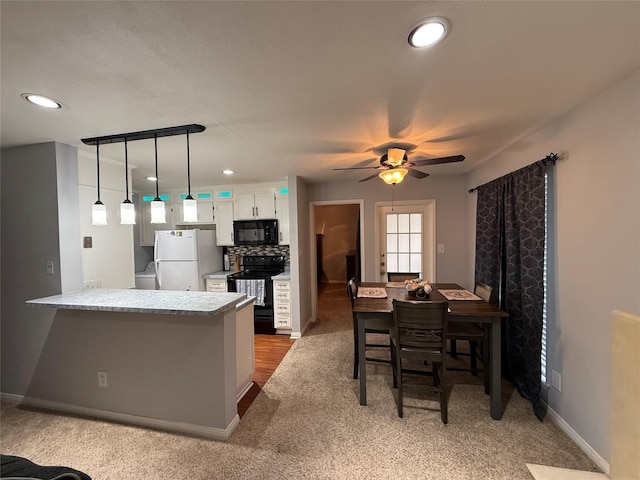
[{"x": 510, "y": 236}]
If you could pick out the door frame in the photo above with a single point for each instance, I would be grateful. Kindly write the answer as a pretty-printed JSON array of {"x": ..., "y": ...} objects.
[
  {"x": 313, "y": 251},
  {"x": 428, "y": 208}
]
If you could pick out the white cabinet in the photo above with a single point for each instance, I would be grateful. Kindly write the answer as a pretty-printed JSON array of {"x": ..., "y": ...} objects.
[
  {"x": 223, "y": 218},
  {"x": 282, "y": 214},
  {"x": 255, "y": 205},
  {"x": 218, "y": 285},
  {"x": 282, "y": 304},
  {"x": 205, "y": 214},
  {"x": 148, "y": 229}
]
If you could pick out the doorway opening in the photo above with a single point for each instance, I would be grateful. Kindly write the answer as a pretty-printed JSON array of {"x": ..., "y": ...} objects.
[{"x": 335, "y": 247}]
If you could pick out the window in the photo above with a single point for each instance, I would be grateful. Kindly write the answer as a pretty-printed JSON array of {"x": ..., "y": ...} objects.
[{"x": 404, "y": 242}]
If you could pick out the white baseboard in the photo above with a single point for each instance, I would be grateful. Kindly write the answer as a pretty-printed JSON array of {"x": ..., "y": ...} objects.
[
  {"x": 167, "y": 425},
  {"x": 586, "y": 448}
]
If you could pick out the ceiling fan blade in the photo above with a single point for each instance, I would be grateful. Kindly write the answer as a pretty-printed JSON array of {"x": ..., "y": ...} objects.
[
  {"x": 368, "y": 178},
  {"x": 436, "y": 161},
  {"x": 416, "y": 173},
  {"x": 355, "y": 168}
]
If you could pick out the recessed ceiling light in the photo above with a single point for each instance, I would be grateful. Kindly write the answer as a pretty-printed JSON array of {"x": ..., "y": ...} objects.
[
  {"x": 428, "y": 32},
  {"x": 41, "y": 101},
  {"x": 152, "y": 179},
  {"x": 228, "y": 172}
]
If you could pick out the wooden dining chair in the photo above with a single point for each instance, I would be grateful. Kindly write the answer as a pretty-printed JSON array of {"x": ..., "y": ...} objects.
[
  {"x": 379, "y": 323},
  {"x": 474, "y": 334},
  {"x": 419, "y": 333}
]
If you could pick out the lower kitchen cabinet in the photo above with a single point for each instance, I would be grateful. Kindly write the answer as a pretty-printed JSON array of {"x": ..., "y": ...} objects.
[{"x": 282, "y": 305}]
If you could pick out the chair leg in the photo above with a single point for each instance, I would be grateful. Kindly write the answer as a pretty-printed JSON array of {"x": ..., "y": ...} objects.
[
  {"x": 355, "y": 349},
  {"x": 474, "y": 361},
  {"x": 486, "y": 345},
  {"x": 393, "y": 366},
  {"x": 444, "y": 412},
  {"x": 453, "y": 351},
  {"x": 399, "y": 377}
]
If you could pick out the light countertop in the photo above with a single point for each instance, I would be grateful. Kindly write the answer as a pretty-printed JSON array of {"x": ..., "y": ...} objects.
[
  {"x": 142, "y": 301},
  {"x": 220, "y": 274}
]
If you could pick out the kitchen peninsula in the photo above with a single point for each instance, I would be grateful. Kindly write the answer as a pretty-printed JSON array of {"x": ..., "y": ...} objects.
[{"x": 171, "y": 360}]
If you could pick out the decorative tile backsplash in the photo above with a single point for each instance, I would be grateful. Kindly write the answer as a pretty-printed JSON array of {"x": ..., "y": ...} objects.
[{"x": 260, "y": 250}]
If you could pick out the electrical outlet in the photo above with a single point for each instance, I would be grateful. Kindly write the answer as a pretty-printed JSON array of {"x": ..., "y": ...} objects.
[
  {"x": 556, "y": 380},
  {"x": 441, "y": 248},
  {"x": 102, "y": 379}
]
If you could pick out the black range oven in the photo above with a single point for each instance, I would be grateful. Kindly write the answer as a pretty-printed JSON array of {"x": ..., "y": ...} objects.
[{"x": 255, "y": 280}]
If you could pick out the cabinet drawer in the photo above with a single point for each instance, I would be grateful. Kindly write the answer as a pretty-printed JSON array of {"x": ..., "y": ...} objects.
[
  {"x": 215, "y": 285},
  {"x": 283, "y": 308},
  {"x": 283, "y": 296},
  {"x": 282, "y": 321},
  {"x": 281, "y": 286}
]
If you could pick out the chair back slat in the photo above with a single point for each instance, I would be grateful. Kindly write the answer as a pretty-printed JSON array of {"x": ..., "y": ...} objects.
[{"x": 421, "y": 325}]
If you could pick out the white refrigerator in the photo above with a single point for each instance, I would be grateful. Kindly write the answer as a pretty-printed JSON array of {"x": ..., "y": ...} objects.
[{"x": 183, "y": 257}]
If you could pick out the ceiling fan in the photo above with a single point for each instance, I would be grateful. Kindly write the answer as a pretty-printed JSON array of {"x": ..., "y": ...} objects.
[{"x": 395, "y": 164}]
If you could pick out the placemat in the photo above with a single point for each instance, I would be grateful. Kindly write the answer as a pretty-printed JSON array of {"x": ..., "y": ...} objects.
[
  {"x": 372, "y": 292},
  {"x": 459, "y": 295}
]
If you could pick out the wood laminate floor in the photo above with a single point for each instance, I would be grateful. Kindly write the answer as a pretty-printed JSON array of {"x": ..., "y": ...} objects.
[{"x": 269, "y": 352}]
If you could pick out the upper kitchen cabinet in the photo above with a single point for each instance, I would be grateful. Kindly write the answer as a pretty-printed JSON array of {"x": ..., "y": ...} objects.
[
  {"x": 223, "y": 218},
  {"x": 255, "y": 205},
  {"x": 204, "y": 201},
  {"x": 282, "y": 214}
]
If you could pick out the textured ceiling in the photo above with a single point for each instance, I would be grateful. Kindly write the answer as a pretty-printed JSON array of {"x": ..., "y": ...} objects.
[{"x": 288, "y": 88}]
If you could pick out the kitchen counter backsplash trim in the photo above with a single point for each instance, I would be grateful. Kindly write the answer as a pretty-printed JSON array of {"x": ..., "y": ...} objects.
[{"x": 261, "y": 250}]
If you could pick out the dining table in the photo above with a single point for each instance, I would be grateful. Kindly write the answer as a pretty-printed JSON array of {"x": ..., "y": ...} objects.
[{"x": 463, "y": 310}]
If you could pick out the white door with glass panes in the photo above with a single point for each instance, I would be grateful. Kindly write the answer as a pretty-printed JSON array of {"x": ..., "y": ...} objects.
[{"x": 407, "y": 240}]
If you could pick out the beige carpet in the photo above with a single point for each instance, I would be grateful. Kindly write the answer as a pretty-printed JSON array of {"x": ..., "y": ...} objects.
[{"x": 307, "y": 423}]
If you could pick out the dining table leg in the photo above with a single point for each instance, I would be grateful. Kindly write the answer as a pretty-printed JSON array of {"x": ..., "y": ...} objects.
[
  {"x": 496, "y": 371},
  {"x": 362, "y": 364}
]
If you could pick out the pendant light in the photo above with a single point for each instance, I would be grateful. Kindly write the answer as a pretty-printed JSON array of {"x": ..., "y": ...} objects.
[
  {"x": 157, "y": 206},
  {"x": 127, "y": 209},
  {"x": 98, "y": 209},
  {"x": 189, "y": 206}
]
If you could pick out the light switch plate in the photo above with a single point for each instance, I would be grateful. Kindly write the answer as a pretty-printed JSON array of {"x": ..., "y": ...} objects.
[
  {"x": 87, "y": 242},
  {"x": 441, "y": 248}
]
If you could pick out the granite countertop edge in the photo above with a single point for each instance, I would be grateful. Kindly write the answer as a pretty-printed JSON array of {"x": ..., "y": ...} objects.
[{"x": 143, "y": 301}]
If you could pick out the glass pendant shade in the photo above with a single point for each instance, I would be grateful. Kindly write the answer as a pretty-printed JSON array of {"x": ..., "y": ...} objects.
[
  {"x": 190, "y": 209},
  {"x": 127, "y": 213},
  {"x": 99, "y": 214},
  {"x": 393, "y": 176},
  {"x": 157, "y": 211}
]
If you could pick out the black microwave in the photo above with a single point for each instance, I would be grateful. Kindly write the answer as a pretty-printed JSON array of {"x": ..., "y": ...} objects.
[{"x": 255, "y": 232}]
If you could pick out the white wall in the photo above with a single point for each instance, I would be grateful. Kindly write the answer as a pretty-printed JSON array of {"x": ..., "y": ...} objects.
[
  {"x": 110, "y": 260},
  {"x": 451, "y": 209},
  {"x": 596, "y": 245}
]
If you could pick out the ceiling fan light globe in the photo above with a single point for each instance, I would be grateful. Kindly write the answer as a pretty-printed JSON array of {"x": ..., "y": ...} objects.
[{"x": 393, "y": 176}]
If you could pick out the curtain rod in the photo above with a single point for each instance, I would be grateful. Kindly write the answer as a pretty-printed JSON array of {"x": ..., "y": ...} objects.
[{"x": 551, "y": 158}]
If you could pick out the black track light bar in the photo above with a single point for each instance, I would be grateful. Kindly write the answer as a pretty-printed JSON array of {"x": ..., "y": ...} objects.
[{"x": 145, "y": 134}]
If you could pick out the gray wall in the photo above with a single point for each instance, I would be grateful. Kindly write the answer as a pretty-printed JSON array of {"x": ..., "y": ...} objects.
[
  {"x": 595, "y": 245},
  {"x": 450, "y": 194},
  {"x": 39, "y": 223}
]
